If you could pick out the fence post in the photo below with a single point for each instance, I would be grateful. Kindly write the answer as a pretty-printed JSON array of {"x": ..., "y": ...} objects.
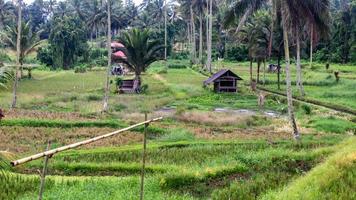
[
  {"x": 143, "y": 158},
  {"x": 44, "y": 171}
]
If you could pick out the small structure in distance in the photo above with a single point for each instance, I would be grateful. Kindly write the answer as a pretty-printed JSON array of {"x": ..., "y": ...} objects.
[{"x": 224, "y": 81}]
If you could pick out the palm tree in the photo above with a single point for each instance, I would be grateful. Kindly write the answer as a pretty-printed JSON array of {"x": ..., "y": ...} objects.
[
  {"x": 29, "y": 40},
  {"x": 187, "y": 9},
  {"x": 18, "y": 52},
  {"x": 140, "y": 52},
  {"x": 292, "y": 11},
  {"x": 108, "y": 45}
]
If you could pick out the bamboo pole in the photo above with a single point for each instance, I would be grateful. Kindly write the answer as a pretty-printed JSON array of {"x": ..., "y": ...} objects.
[
  {"x": 143, "y": 160},
  {"x": 75, "y": 145},
  {"x": 44, "y": 171}
]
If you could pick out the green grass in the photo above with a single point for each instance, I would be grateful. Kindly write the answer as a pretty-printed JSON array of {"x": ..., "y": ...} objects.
[
  {"x": 334, "y": 179},
  {"x": 332, "y": 125}
]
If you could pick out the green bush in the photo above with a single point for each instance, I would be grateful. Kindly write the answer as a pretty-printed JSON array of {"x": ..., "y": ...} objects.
[
  {"x": 80, "y": 68},
  {"x": 143, "y": 88},
  {"x": 176, "y": 66},
  {"x": 307, "y": 109},
  {"x": 94, "y": 97},
  {"x": 183, "y": 55},
  {"x": 96, "y": 53},
  {"x": 236, "y": 53}
]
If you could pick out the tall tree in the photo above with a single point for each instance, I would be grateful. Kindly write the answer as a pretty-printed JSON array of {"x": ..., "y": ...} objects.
[
  {"x": 18, "y": 53},
  {"x": 199, "y": 6},
  {"x": 210, "y": 34},
  {"x": 108, "y": 46}
]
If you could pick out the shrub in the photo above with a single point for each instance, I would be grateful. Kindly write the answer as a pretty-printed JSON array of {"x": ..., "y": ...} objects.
[
  {"x": 119, "y": 107},
  {"x": 80, "y": 68},
  {"x": 144, "y": 88},
  {"x": 93, "y": 97},
  {"x": 44, "y": 55},
  {"x": 118, "y": 81},
  {"x": 176, "y": 66},
  {"x": 236, "y": 53},
  {"x": 183, "y": 55},
  {"x": 96, "y": 53},
  {"x": 307, "y": 109}
]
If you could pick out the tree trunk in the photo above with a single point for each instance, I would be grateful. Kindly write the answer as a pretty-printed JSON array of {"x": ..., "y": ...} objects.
[
  {"x": 264, "y": 72},
  {"x": 165, "y": 30},
  {"x": 200, "y": 38},
  {"x": 311, "y": 46},
  {"x": 189, "y": 37},
  {"x": 279, "y": 71},
  {"x": 18, "y": 52},
  {"x": 251, "y": 79},
  {"x": 107, "y": 83},
  {"x": 299, "y": 67},
  {"x": 288, "y": 82},
  {"x": 210, "y": 33},
  {"x": 137, "y": 82},
  {"x": 270, "y": 42},
  {"x": 258, "y": 71},
  {"x": 193, "y": 34}
]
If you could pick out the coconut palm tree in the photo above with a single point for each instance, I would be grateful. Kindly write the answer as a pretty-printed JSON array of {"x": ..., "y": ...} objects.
[
  {"x": 188, "y": 11},
  {"x": 292, "y": 11},
  {"x": 18, "y": 52},
  {"x": 140, "y": 52},
  {"x": 29, "y": 40},
  {"x": 108, "y": 45}
]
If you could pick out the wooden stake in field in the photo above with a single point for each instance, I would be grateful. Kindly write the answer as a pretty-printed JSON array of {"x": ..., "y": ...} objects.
[
  {"x": 44, "y": 171},
  {"x": 143, "y": 159}
]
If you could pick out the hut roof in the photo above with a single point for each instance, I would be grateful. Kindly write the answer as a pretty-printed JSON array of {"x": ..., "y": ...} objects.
[
  {"x": 117, "y": 45},
  {"x": 219, "y": 74}
]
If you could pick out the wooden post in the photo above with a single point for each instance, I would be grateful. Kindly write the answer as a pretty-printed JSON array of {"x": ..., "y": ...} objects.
[
  {"x": 143, "y": 158},
  {"x": 44, "y": 171}
]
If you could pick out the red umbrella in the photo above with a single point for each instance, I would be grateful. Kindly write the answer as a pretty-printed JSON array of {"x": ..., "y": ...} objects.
[
  {"x": 117, "y": 45},
  {"x": 119, "y": 54}
]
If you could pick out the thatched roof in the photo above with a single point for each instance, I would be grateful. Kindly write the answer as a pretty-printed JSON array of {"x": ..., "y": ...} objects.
[{"x": 219, "y": 74}]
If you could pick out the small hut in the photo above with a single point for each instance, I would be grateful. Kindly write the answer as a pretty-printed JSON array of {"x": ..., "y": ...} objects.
[{"x": 224, "y": 81}]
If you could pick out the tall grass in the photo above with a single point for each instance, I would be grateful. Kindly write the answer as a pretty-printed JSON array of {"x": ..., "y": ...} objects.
[{"x": 334, "y": 179}]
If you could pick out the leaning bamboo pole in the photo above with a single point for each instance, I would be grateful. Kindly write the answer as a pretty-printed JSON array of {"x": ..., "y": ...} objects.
[{"x": 75, "y": 145}]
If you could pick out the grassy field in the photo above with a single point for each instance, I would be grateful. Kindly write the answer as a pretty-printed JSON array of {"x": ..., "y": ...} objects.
[{"x": 209, "y": 146}]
